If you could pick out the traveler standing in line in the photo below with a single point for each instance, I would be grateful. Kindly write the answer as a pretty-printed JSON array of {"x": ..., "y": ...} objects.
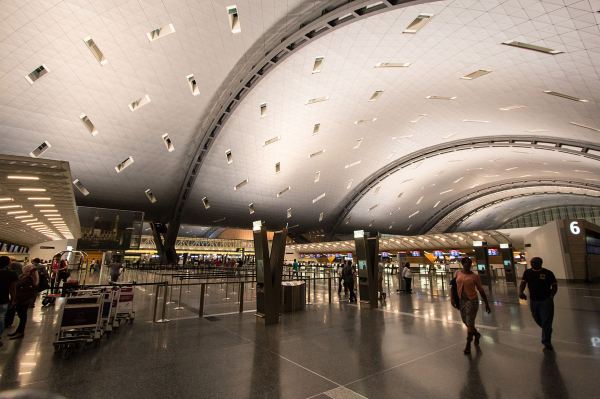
[
  {"x": 380, "y": 270},
  {"x": 26, "y": 290},
  {"x": 295, "y": 268},
  {"x": 340, "y": 273},
  {"x": 468, "y": 284},
  {"x": 8, "y": 283},
  {"x": 348, "y": 275},
  {"x": 542, "y": 289},
  {"x": 16, "y": 267},
  {"x": 43, "y": 277},
  {"x": 407, "y": 276}
]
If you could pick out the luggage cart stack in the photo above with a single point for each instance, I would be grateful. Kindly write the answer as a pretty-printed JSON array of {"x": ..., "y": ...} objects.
[{"x": 79, "y": 323}]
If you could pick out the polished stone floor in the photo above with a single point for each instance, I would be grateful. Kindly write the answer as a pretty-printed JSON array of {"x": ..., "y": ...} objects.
[{"x": 409, "y": 348}]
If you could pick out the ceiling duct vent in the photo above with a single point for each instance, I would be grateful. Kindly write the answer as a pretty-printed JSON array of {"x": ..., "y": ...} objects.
[
  {"x": 317, "y": 199},
  {"x": 193, "y": 84},
  {"x": 318, "y": 64},
  {"x": 376, "y": 95},
  {"x": 273, "y": 140},
  {"x": 285, "y": 190},
  {"x": 168, "y": 142},
  {"x": 315, "y": 154},
  {"x": 88, "y": 124},
  {"x": 120, "y": 167},
  {"x": 81, "y": 187},
  {"x": 316, "y": 128},
  {"x": 277, "y": 167},
  {"x": 533, "y": 47},
  {"x": 316, "y": 100},
  {"x": 418, "y": 23},
  {"x": 229, "y": 157},
  {"x": 317, "y": 176},
  {"x": 150, "y": 195},
  {"x": 392, "y": 65},
  {"x": 89, "y": 42},
  {"x": 160, "y": 32},
  {"x": 568, "y": 97},
  {"x": 263, "y": 110},
  {"x": 240, "y": 184},
  {"x": 139, "y": 103},
  {"x": 440, "y": 98},
  {"x": 42, "y": 148},
  {"x": 251, "y": 208},
  {"x": 477, "y": 74},
  {"x": 234, "y": 19},
  {"x": 289, "y": 213},
  {"x": 205, "y": 203},
  {"x": 37, "y": 73}
]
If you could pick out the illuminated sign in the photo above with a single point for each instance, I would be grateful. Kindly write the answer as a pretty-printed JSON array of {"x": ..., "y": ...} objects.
[{"x": 574, "y": 227}]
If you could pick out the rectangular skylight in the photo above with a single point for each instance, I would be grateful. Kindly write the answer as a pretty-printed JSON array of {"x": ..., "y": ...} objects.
[
  {"x": 317, "y": 176},
  {"x": 418, "y": 118},
  {"x": 150, "y": 195},
  {"x": 37, "y": 73},
  {"x": 440, "y": 98},
  {"x": 289, "y": 213},
  {"x": 139, "y": 103},
  {"x": 358, "y": 143},
  {"x": 512, "y": 107},
  {"x": 205, "y": 203},
  {"x": 251, "y": 208},
  {"x": 193, "y": 84},
  {"x": 318, "y": 64},
  {"x": 81, "y": 187},
  {"x": 321, "y": 216},
  {"x": 392, "y": 65},
  {"x": 285, "y": 190},
  {"x": 348, "y": 166},
  {"x": 314, "y": 154},
  {"x": 413, "y": 214},
  {"x": 562, "y": 95},
  {"x": 240, "y": 184},
  {"x": 89, "y": 42},
  {"x": 419, "y": 200},
  {"x": 263, "y": 110},
  {"x": 361, "y": 121},
  {"x": 127, "y": 162},
  {"x": 436, "y": 204},
  {"x": 418, "y": 23},
  {"x": 160, "y": 32},
  {"x": 168, "y": 142},
  {"x": 45, "y": 146},
  {"x": 318, "y": 198},
  {"x": 349, "y": 184},
  {"x": 585, "y": 126},
  {"x": 234, "y": 19},
  {"x": 477, "y": 74},
  {"x": 446, "y": 191},
  {"x": 475, "y": 121},
  {"x": 88, "y": 124},
  {"x": 316, "y": 100},
  {"x": 376, "y": 94},
  {"x": 458, "y": 180},
  {"x": 273, "y": 140},
  {"x": 316, "y": 128},
  {"x": 533, "y": 47},
  {"x": 277, "y": 167}
]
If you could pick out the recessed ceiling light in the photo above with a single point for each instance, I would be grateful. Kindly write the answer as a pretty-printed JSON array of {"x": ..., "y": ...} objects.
[
  {"x": 440, "y": 98},
  {"x": 316, "y": 100},
  {"x": 193, "y": 84},
  {"x": 418, "y": 23},
  {"x": 318, "y": 64},
  {"x": 413, "y": 214},
  {"x": 277, "y": 167},
  {"x": 48, "y": 210},
  {"x": 229, "y": 157},
  {"x": 160, "y": 32},
  {"x": 91, "y": 45},
  {"x": 205, "y": 203},
  {"x": 477, "y": 74},
  {"x": 234, "y": 19},
  {"x": 45, "y": 146},
  {"x": 318, "y": 198},
  {"x": 458, "y": 180},
  {"x": 32, "y": 189},
  {"x": 376, "y": 94},
  {"x": 80, "y": 187},
  {"x": 263, "y": 110},
  {"x": 317, "y": 176},
  {"x": 240, "y": 184},
  {"x": 272, "y": 140},
  {"x": 585, "y": 126},
  {"x": 44, "y": 205},
  {"x": 36, "y": 73},
  {"x": 447, "y": 191},
  {"x": 562, "y": 95},
  {"x": 348, "y": 166},
  {"x": 436, "y": 204},
  {"x": 39, "y": 198},
  {"x": 251, "y": 208},
  {"x": 418, "y": 118},
  {"x": 316, "y": 128},
  {"x": 168, "y": 142},
  {"x": 321, "y": 216},
  {"x": 127, "y": 162},
  {"x": 512, "y": 107},
  {"x": 361, "y": 121},
  {"x": 88, "y": 124},
  {"x": 392, "y": 65},
  {"x": 358, "y": 143},
  {"x": 419, "y": 200},
  {"x": 285, "y": 190},
  {"x": 150, "y": 195},
  {"x": 16, "y": 213},
  {"x": 6, "y": 199},
  {"x": 29, "y": 219},
  {"x": 349, "y": 184},
  {"x": 19, "y": 177},
  {"x": 475, "y": 121},
  {"x": 533, "y": 47},
  {"x": 139, "y": 103},
  {"x": 10, "y": 206}
]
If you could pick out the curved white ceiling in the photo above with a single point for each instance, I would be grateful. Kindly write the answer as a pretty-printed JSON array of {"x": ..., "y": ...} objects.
[{"x": 461, "y": 38}]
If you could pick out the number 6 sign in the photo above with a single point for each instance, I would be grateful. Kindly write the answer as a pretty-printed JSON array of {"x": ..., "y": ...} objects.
[{"x": 574, "y": 227}]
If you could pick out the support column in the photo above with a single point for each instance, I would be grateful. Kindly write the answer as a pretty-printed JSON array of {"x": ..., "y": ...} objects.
[
  {"x": 483, "y": 262},
  {"x": 165, "y": 246},
  {"x": 508, "y": 261},
  {"x": 367, "y": 256}
]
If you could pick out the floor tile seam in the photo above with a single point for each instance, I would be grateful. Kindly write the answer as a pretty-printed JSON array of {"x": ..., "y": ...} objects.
[{"x": 418, "y": 358}]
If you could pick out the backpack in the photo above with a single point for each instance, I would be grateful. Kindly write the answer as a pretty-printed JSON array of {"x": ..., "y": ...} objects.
[
  {"x": 454, "y": 293},
  {"x": 25, "y": 290},
  {"x": 44, "y": 280}
]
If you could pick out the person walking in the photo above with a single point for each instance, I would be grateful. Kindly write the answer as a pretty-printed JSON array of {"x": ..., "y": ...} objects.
[
  {"x": 380, "y": 270},
  {"x": 25, "y": 292},
  {"x": 348, "y": 276},
  {"x": 295, "y": 268},
  {"x": 468, "y": 284},
  {"x": 407, "y": 276},
  {"x": 8, "y": 283},
  {"x": 115, "y": 269},
  {"x": 340, "y": 274},
  {"x": 542, "y": 289}
]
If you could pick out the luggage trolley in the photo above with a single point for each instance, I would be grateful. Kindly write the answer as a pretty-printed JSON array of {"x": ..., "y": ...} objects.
[
  {"x": 77, "y": 260},
  {"x": 79, "y": 323},
  {"x": 124, "y": 311}
]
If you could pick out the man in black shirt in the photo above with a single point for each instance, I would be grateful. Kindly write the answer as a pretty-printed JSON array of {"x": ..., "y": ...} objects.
[
  {"x": 8, "y": 281},
  {"x": 542, "y": 288}
]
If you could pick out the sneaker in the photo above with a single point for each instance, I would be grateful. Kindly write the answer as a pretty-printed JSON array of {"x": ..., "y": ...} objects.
[{"x": 17, "y": 336}]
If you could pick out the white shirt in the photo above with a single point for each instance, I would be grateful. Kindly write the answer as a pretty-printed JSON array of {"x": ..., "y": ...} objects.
[{"x": 406, "y": 273}]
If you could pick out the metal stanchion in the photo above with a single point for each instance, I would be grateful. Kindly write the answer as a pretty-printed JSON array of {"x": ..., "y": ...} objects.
[
  {"x": 179, "y": 307},
  {"x": 329, "y": 286},
  {"x": 164, "y": 306},
  {"x": 201, "y": 307},
  {"x": 308, "y": 288},
  {"x": 241, "y": 296},
  {"x": 155, "y": 304},
  {"x": 171, "y": 291}
]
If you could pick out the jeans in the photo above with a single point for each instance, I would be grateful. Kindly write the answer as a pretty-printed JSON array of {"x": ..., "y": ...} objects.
[
  {"x": 543, "y": 314},
  {"x": 407, "y": 284},
  {"x": 3, "y": 309},
  {"x": 21, "y": 310},
  {"x": 350, "y": 287}
]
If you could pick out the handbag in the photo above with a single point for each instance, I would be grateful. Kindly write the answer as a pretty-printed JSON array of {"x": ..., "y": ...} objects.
[{"x": 454, "y": 293}]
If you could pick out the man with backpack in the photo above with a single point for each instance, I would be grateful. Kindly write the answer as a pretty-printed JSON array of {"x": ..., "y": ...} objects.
[
  {"x": 348, "y": 276},
  {"x": 26, "y": 290},
  {"x": 8, "y": 280}
]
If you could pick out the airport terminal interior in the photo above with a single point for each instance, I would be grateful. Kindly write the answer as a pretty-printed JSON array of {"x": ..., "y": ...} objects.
[{"x": 326, "y": 199}]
